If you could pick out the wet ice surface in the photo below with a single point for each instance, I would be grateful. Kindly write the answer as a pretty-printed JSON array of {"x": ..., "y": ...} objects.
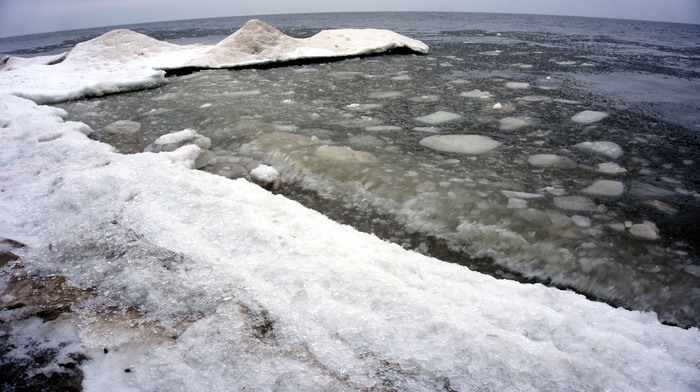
[{"x": 606, "y": 205}]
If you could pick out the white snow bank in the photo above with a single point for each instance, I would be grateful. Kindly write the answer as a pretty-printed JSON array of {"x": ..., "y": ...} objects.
[
  {"x": 123, "y": 60},
  {"x": 235, "y": 288}
]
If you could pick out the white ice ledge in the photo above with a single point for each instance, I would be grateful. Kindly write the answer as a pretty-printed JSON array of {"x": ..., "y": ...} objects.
[{"x": 124, "y": 60}]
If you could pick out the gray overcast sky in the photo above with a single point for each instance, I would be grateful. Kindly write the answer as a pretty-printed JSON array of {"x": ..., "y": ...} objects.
[{"x": 19, "y": 17}]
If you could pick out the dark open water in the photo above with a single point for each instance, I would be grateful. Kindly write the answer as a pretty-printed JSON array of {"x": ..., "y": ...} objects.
[{"x": 644, "y": 75}]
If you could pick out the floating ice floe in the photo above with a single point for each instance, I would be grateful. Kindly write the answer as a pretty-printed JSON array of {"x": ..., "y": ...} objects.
[
  {"x": 382, "y": 128},
  {"x": 574, "y": 203},
  {"x": 123, "y": 60},
  {"x": 588, "y": 116},
  {"x": 611, "y": 168},
  {"x": 466, "y": 144},
  {"x": 550, "y": 160},
  {"x": 605, "y": 188},
  {"x": 344, "y": 154},
  {"x": 122, "y": 126},
  {"x": 476, "y": 93},
  {"x": 386, "y": 94},
  {"x": 608, "y": 149},
  {"x": 513, "y": 123},
  {"x": 439, "y": 117},
  {"x": 517, "y": 85},
  {"x": 521, "y": 195},
  {"x": 646, "y": 230}
]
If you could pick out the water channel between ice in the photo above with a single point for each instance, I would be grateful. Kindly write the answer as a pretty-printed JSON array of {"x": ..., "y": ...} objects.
[{"x": 543, "y": 199}]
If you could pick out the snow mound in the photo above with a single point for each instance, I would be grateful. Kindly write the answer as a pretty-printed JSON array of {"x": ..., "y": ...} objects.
[
  {"x": 465, "y": 144},
  {"x": 124, "y": 60}
]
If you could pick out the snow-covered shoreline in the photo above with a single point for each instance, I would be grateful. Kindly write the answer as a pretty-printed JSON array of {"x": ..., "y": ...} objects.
[{"x": 199, "y": 282}]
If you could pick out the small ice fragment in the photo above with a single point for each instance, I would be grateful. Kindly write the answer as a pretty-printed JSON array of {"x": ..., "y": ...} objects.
[
  {"x": 581, "y": 221},
  {"x": 611, "y": 168},
  {"x": 555, "y": 191},
  {"x": 498, "y": 106},
  {"x": 574, "y": 203},
  {"x": 521, "y": 195},
  {"x": 382, "y": 128},
  {"x": 550, "y": 160},
  {"x": 344, "y": 154},
  {"x": 605, "y": 188},
  {"x": 439, "y": 117},
  {"x": 549, "y": 78},
  {"x": 385, "y": 94},
  {"x": 661, "y": 206},
  {"x": 267, "y": 177},
  {"x": 588, "y": 116},
  {"x": 617, "y": 226},
  {"x": 512, "y": 123},
  {"x": 516, "y": 203},
  {"x": 173, "y": 141},
  {"x": 693, "y": 269},
  {"x": 123, "y": 126},
  {"x": 206, "y": 105},
  {"x": 646, "y": 230},
  {"x": 466, "y": 144},
  {"x": 517, "y": 85},
  {"x": 608, "y": 149},
  {"x": 476, "y": 93}
]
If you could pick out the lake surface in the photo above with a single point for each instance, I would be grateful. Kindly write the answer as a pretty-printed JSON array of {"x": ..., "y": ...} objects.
[{"x": 586, "y": 176}]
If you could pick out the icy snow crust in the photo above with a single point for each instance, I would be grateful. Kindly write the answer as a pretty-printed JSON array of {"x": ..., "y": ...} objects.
[
  {"x": 232, "y": 287},
  {"x": 123, "y": 60}
]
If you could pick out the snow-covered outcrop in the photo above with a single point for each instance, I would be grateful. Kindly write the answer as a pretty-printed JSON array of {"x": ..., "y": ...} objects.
[{"x": 124, "y": 60}]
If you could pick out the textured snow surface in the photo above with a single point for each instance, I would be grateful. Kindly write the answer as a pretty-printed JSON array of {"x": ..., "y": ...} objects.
[
  {"x": 124, "y": 60},
  {"x": 226, "y": 286}
]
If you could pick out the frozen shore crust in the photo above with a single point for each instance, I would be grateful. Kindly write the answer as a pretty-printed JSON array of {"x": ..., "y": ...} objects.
[{"x": 255, "y": 291}]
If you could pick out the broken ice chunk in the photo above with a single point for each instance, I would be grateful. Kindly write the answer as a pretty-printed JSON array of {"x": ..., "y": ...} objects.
[
  {"x": 605, "y": 188},
  {"x": 608, "y": 149},
  {"x": 611, "y": 168},
  {"x": 267, "y": 177},
  {"x": 588, "y": 116},
  {"x": 646, "y": 230},
  {"x": 439, "y": 117},
  {"x": 550, "y": 160},
  {"x": 466, "y": 144}
]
